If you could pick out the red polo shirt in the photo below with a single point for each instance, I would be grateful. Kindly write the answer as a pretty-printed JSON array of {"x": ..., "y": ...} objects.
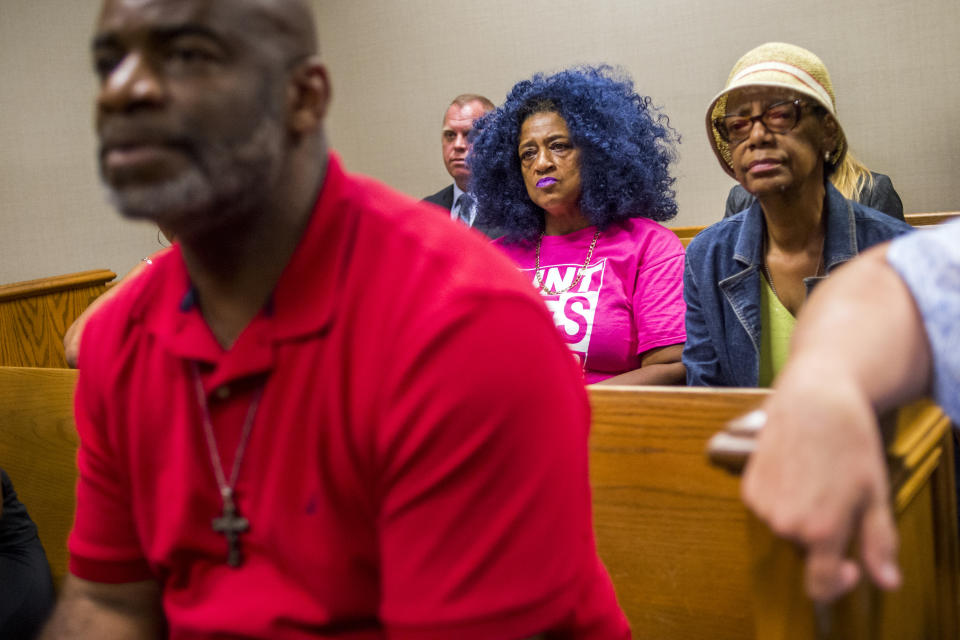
[{"x": 417, "y": 467}]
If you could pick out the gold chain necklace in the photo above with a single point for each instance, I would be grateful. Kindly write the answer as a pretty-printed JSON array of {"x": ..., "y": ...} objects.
[
  {"x": 766, "y": 270},
  {"x": 538, "y": 280}
]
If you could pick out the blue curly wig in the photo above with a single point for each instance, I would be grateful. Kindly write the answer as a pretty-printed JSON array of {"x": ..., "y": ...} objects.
[{"x": 626, "y": 146}]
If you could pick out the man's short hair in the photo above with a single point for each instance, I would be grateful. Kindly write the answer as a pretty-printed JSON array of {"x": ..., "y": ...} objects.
[{"x": 466, "y": 98}]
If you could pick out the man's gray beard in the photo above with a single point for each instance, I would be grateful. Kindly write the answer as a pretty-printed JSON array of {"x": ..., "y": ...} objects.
[{"x": 227, "y": 182}]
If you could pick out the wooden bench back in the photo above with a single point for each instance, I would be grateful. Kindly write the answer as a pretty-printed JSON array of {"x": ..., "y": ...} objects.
[
  {"x": 35, "y": 315},
  {"x": 686, "y": 234},
  {"x": 686, "y": 559},
  {"x": 923, "y": 494},
  {"x": 670, "y": 528},
  {"x": 689, "y": 562},
  {"x": 38, "y": 449}
]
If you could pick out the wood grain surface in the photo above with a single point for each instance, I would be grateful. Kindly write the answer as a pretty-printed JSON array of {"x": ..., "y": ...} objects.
[
  {"x": 924, "y": 219},
  {"x": 686, "y": 234},
  {"x": 920, "y": 460},
  {"x": 38, "y": 445},
  {"x": 35, "y": 315},
  {"x": 689, "y": 562},
  {"x": 670, "y": 528}
]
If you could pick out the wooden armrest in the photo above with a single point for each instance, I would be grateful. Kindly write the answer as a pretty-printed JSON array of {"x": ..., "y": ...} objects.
[{"x": 919, "y": 453}]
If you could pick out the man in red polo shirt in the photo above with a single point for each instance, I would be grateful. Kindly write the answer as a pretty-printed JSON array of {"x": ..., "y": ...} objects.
[{"x": 325, "y": 412}]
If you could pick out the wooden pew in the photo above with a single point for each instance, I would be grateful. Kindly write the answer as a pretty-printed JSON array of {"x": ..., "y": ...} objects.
[
  {"x": 687, "y": 560},
  {"x": 38, "y": 449},
  {"x": 686, "y": 234},
  {"x": 924, "y": 219},
  {"x": 670, "y": 528},
  {"x": 35, "y": 315},
  {"x": 919, "y": 451}
]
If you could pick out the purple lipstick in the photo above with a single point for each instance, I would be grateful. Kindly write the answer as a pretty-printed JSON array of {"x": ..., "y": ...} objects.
[{"x": 546, "y": 182}]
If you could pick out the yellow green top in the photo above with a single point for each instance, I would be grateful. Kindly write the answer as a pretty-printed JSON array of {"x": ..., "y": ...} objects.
[{"x": 776, "y": 327}]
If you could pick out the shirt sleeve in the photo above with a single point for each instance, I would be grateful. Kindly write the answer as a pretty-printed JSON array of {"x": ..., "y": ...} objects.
[
  {"x": 658, "y": 305},
  {"x": 103, "y": 544},
  {"x": 929, "y": 263},
  {"x": 485, "y": 517}
]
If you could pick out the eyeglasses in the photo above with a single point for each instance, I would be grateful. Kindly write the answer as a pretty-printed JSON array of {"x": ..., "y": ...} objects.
[{"x": 779, "y": 117}]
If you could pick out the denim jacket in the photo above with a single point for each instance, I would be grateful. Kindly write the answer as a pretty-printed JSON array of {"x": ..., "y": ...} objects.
[{"x": 721, "y": 285}]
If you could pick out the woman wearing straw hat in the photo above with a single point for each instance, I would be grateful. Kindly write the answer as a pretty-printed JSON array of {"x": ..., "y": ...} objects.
[{"x": 774, "y": 128}]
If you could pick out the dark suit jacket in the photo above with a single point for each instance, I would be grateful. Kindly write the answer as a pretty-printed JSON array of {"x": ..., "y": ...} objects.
[{"x": 444, "y": 198}]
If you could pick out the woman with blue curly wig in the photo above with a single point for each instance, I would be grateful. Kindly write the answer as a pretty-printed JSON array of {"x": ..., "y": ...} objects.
[{"x": 574, "y": 169}]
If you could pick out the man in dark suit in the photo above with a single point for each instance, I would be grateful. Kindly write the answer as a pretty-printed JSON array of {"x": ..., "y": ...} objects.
[{"x": 457, "y": 123}]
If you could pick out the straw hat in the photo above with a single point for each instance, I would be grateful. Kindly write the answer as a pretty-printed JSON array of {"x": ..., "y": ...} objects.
[{"x": 776, "y": 64}]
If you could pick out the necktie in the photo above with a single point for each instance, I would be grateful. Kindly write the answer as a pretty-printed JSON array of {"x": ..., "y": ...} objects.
[{"x": 465, "y": 202}]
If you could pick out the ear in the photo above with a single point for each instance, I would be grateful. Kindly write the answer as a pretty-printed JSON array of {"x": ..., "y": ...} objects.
[
  {"x": 308, "y": 95},
  {"x": 831, "y": 133}
]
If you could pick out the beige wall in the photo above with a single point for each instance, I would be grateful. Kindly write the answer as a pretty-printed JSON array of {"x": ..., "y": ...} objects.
[{"x": 395, "y": 65}]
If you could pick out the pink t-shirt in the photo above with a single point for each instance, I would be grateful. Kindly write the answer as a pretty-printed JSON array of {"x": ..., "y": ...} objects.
[{"x": 630, "y": 299}]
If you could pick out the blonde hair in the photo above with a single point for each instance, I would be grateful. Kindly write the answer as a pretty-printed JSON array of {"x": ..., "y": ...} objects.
[{"x": 851, "y": 177}]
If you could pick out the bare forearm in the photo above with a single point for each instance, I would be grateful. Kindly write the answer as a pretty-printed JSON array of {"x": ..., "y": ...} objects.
[
  {"x": 817, "y": 475},
  {"x": 71, "y": 339},
  {"x": 862, "y": 326},
  {"x": 92, "y": 610},
  {"x": 656, "y": 374},
  {"x": 659, "y": 366}
]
